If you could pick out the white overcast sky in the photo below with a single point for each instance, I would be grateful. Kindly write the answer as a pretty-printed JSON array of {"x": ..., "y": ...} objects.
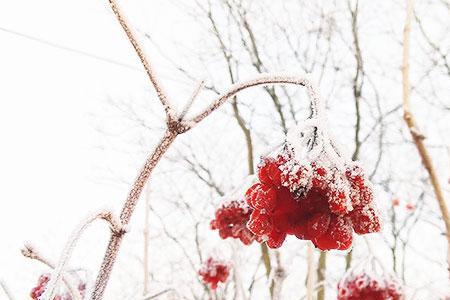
[{"x": 47, "y": 99}]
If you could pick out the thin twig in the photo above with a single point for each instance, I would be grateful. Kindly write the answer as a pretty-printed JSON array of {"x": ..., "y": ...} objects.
[
  {"x": 310, "y": 278},
  {"x": 145, "y": 62},
  {"x": 116, "y": 228},
  {"x": 6, "y": 290},
  {"x": 192, "y": 99},
  {"x": 30, "y": 252}
]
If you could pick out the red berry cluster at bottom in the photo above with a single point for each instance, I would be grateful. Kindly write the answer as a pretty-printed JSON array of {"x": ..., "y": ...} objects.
[
  {"x": 213, "y": 272},
  {"x": 231, "y": 221},
  {"x": 43, "y": 280},
  {"x": 363, "y": 286},
  {"x": 312, "y": 202}
]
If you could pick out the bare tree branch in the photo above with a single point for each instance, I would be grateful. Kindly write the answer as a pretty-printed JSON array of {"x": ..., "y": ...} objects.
[{"x": 415, "y": 133}]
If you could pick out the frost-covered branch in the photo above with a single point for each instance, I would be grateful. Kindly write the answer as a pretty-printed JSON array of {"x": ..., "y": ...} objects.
[
  {"x": 30, "y": 252},
  {"x": 145, "y": 62},
  {"x": 116, "y": 228},
  {"x": 262, "y": 79}
]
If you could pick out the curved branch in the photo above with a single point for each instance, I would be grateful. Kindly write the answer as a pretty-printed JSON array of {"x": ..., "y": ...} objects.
[
  {"x": 59, "y": 270},
  {"x": 262, "y": 79},
  {"x": 31, "y": 253}
]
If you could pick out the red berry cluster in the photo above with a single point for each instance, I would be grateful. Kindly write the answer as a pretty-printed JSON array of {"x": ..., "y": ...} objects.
[
  {"x": 312, "y": 201},
  {"x": 213, "y": 272},
  {"x": 364, "y": 286},
  {"x": 43, "y": 280},
  {"x": 231, "y": 221}
]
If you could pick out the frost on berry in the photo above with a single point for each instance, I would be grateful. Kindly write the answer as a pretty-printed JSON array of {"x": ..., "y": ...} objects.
[
  {"x": 365, "y": 286},
  {"x": 214, "y": 271},
  {"x": 231, "y": 219},
  {"x": 38, "y": 290},
  {"x": 315, "y": 196}
]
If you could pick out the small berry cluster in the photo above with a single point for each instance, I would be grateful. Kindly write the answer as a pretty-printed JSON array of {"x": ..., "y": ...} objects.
[
  {"x": 231, "y": 221},
  {"x": 311, "y": 200},
  {"x": 43, "y": 280},
  {"x": 214, "y": 271},
  {"x": 363, "y": 286}
]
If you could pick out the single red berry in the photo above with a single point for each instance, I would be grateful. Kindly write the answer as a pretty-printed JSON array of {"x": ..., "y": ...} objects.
[
  {"x": 319, "y": 178},
  {"x": 365, "y": 220},
  {"x": 263, "y": 197},
  {"x": 338, "y": 201},
  {"x": 260, "y": 223},
  {"x": 275, "y": 239},
  {"x": 269, "y": 172}
]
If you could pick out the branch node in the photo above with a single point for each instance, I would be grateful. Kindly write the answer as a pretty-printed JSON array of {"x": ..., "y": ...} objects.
[
  {"x": 117, "y": 228},
  {"x": 416, "y": 133}
]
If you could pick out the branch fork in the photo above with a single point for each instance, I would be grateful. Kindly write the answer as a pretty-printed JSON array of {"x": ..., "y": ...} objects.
[{"x": 176, "y": 124}]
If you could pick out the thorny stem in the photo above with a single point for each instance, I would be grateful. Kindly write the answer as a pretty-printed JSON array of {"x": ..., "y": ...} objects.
[
  {"x": 417, "y": 137},
  {"x": 31, "y": 253}
]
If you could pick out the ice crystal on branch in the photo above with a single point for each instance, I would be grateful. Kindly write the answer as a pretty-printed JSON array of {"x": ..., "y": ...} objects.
[
  {"x": 311, "y": 191},
  {"x": 214, "y": 271}
]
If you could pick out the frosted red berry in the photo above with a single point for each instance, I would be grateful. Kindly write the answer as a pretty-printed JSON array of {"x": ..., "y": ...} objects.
[
  {"x": 269, "y": 172},
  {"x": 364, "y": 286},
  {"x": 260, "y": 223},
  {"x": 214, "y": 271},
  {"x": 261, "y": 196},
  {"x": 312, "y": 201},
  {"x": 231, "y": 219},
  {"x": 365, "y": 220}
]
